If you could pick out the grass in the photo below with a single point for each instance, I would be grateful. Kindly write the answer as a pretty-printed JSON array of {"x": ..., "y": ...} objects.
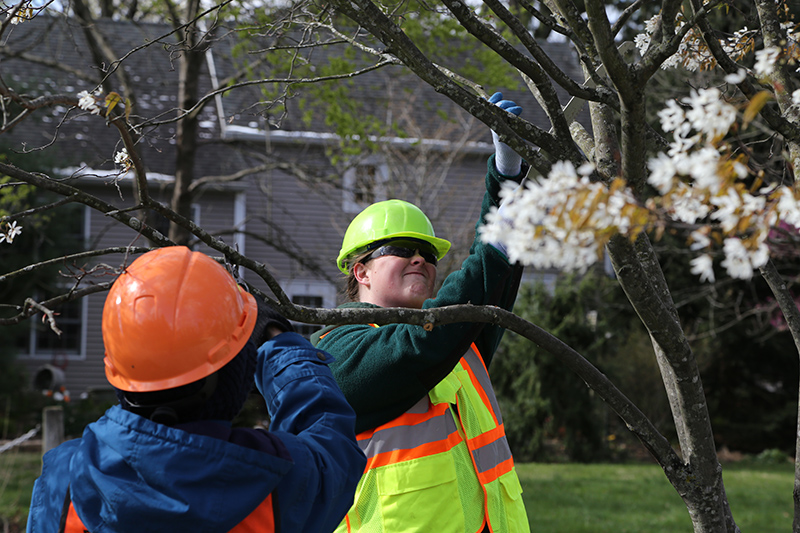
[
  {"x": 634, "y": 498},
  {"x": 560, "y": 498},
  {"x": 18, "y": 471}
]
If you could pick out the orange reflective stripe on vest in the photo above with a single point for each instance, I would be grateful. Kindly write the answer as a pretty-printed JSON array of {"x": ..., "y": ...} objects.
[
  {"x": 490, "y": 450},
  {"x": 261, "y": 520}
]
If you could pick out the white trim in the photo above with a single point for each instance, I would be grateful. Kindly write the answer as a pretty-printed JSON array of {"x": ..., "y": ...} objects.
[
  {"x": 212, "y": 72},
  {"x": 311, "y": 287},
  {"x": 239, "y": 218},
  {"x": 87, "y": 225},
  {"x": 242, "y": 133}
]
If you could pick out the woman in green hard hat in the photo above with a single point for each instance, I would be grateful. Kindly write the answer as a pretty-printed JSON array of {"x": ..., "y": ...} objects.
[{"x": 427, "y": 417}]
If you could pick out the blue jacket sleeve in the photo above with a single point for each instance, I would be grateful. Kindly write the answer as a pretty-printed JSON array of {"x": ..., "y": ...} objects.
[
  {"x": 50, "y": 489},
  {"x": 311, "y": 416}
]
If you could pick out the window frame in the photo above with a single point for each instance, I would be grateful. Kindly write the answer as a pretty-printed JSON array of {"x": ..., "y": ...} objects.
[
  {"x": 350, "y": 202},
  {"x": 78, "y": 353},
  {"x": 312, "y": 289}
]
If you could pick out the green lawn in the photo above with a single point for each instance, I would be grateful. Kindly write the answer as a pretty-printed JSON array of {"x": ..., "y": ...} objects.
[
  {"x": 635, "y": 498},
  {"x": 18, "y": 471},
  {"x": 563, "y": 498}
]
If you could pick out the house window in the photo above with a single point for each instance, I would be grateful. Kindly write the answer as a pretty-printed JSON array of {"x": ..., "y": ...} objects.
[
  {"x": 364, "y": 184},
  {"x": 311, "y": 293},
  {"x": 307, "y": 300},
  {"x": 41, "y": 341},
  {"x": 70, "y": 320}
]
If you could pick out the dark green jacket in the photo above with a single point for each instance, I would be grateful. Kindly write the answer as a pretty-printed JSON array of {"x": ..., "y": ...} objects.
[{"x": 384, "y": 371}]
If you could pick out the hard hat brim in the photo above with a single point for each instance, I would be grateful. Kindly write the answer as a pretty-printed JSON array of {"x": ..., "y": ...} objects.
[{"x": 441, "y": 246}]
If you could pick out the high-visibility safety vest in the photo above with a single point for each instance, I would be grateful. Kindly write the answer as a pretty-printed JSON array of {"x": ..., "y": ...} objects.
[
  {"x": 261, "y": 520},
  {"x": 443, "y": 466}
]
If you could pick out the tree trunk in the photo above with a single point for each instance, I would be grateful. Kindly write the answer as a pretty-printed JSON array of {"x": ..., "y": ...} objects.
[{"x": 191, "y": 61}]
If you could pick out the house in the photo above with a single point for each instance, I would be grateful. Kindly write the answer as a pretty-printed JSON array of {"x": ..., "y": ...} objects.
[{"x": 290, "y": 213}]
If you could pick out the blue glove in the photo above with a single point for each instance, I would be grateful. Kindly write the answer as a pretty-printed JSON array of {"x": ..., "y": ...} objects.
[{"x": 507, "y": 161}]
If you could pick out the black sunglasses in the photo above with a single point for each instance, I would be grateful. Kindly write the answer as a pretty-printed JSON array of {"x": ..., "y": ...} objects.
[{"x": 405, "y": 249}]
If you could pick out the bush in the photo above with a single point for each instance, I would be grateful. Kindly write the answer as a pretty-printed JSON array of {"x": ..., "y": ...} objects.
[
  {"x": 772, "y": 456},
  {"x": 547, "y": 409}
]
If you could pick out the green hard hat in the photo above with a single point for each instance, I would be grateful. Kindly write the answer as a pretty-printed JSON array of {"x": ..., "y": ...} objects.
[{"x": 390, "y": 219}]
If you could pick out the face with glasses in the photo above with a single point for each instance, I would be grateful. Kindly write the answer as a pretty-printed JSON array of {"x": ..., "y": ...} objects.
[{"x": 397, "y": 273}]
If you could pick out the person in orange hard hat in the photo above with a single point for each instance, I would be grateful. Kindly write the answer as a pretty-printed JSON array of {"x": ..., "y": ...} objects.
[
  {"x": 184, "y": 345},
  {"x": 427, "y": 416}
]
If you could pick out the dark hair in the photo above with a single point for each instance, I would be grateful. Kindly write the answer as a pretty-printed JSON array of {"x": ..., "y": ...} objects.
[
  {"x": 219, "y": 396},
  {"x": 351, "y": 283}
]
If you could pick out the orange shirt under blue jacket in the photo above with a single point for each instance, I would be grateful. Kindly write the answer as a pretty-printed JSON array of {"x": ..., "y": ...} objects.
[{"x": 130, "y": 474}]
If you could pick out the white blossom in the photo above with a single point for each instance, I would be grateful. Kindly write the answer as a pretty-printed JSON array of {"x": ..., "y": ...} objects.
[
  {"x": 662, "y": 172},
  {"x": 652, "y": 23},
  {"x": 766, "y": 59},
  {"x": 586, "y": 169},
  {"x": 703, "y": 266},
  {"x": 740, "y": 170},
  {"x": 122, "y": 158},
  {"x": 642, "y": 42},
  {"x": 708, "y": 113},
  {"x": 23, "y": 13},
  {"x": 703, "y": 166},
  {"x": 88, "y": 102},
  {"x": 796, "y": 97},
  {"x": 699, "y": 240},
  {"x": 788, "y": 207},
  {"x": 682, "y": 144},
  {"x": 687, "y": 205},
  {"x": 12, "y": 230},
  {"x": 759, "y": 256},
  {"x": 672, "y": 116},
  {"x": 739, "y": 261},
  {"x": 737, "y": 77},
  {"x": 752, "y": 205},
  {"x": 727, "y": 206}
]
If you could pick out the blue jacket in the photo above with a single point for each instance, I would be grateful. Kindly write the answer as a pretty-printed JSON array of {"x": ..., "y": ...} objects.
[{"x": 128, "y": 473}]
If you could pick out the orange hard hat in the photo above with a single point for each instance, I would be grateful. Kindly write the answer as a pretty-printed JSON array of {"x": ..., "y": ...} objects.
[{"x": 172, "y": 318}]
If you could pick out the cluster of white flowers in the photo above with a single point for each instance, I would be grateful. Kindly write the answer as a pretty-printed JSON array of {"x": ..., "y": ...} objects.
[
  {"x": 10, "y": 233},
  {"x": 692, "y": 53},
  {"x": 740, "y": 41},
  {"x": 690, "y": 155},
  {"x": 699, "y": 180},
  {"x": 123, "y": 159},
  {"x": 564, "y": 221},
  {"x": 23, "y": 13},
  {"x": 766, "y": 59},
  {"x": 90, "y": 102},
  {"x": 553, "y": 223}
]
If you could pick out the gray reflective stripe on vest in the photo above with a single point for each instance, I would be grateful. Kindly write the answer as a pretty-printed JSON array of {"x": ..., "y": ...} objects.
[
  {"x": 492, "y": 454},
  {"x": 400, "y": 438},
  {"x": 476, "y": 364}
]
